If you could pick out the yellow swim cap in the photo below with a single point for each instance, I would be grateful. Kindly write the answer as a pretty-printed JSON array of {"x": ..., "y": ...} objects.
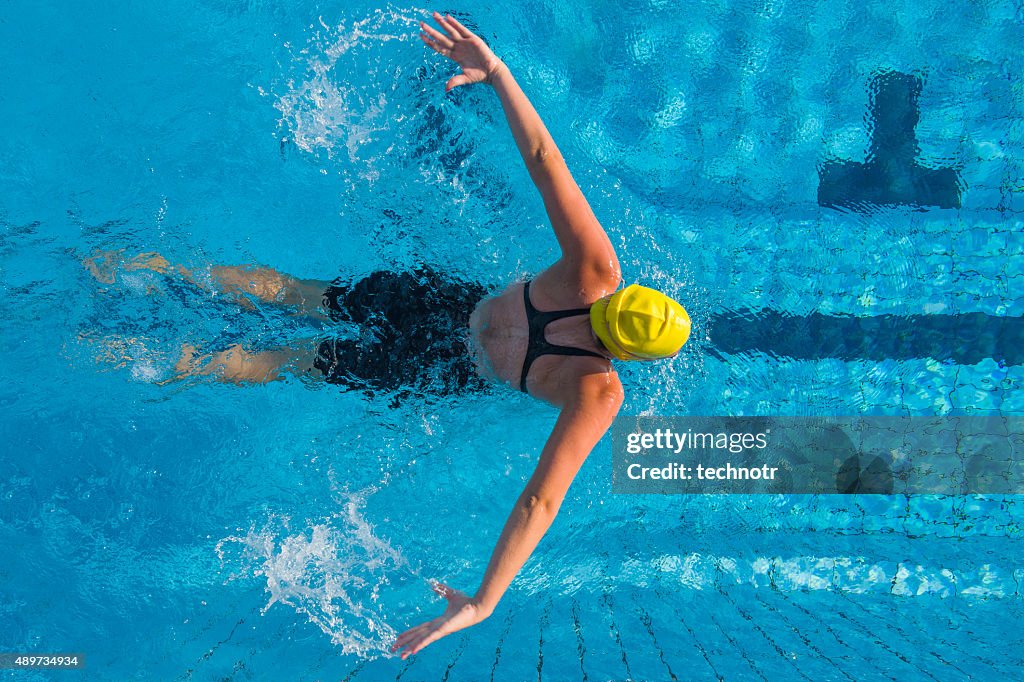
[{"x": 638, "y": 323}]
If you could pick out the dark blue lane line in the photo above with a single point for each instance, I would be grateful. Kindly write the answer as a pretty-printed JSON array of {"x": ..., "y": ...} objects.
[
  {"x": 891, "y": 174},
  {"x": 607, "y": 600},
  {"x": 501, "y": 641},
  {"x": 933, "y": 647},
  {"x": 839, "y": 665},
  {"x": 967, "y": 338},
  {"x": 645, "y": 619},
  {"x": 355, "y": 671},
  {"x": 581, "y": 647},
  {"x": 543, "y": 623},
  {"x": 456, "y": 656},
  {"x": 756, "y": 623}
]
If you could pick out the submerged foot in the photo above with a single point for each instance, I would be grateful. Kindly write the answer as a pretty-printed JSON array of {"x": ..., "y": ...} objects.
[
  {"x": 104, "y": 265},
  {"x": 135, "y": 353},
  {"x": 189, "y": 363}
]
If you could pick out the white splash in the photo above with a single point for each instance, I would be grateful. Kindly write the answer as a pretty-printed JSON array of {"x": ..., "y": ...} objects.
[
  {"x": 327, "y": 111},
  {"x": 144, "y": 370},
  {"x": 331, "y": 571}
]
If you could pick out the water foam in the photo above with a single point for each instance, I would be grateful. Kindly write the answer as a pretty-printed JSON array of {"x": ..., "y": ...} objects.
[
  {"x": 332, "y": 572},
  {"x": 327, "y": 112}
]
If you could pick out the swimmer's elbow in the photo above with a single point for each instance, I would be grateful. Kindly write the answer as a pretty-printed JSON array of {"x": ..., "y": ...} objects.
[
  {"x": 539, "y": 504},
  {"x": 543, "y": 157},
  {"x": 541, "y": 153},
  {"x": 612, "y": 395},
  {"x": 607, "y": 399}
]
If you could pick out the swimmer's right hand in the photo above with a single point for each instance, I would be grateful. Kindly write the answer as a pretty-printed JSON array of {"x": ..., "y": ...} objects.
[
  {"x": 462, "y": 612},
  {"x": 479, "y": 64}
]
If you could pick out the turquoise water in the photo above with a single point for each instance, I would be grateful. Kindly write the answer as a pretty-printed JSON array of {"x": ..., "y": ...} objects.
[{"x": 287, "y": 531}]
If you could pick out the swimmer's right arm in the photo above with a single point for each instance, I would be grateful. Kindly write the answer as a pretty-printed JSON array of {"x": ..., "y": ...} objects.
[
  {"x": 583, "y": 241},
  {"x": 582, "y": 422}
]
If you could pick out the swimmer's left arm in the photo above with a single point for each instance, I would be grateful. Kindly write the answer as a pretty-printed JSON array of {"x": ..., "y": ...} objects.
[
  {"x": 579, "y": 427},
  {"x": 587, "y": 252}
]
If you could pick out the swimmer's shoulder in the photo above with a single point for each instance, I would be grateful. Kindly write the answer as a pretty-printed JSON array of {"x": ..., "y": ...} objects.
[
  {"x": 589, "y": 387},
  {"x": 565, "y": 287}
]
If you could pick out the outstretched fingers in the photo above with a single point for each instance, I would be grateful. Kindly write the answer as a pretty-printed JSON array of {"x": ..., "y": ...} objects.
[
  {"x": 437, "y": 40},
  {"x": 432, "y": 44},
  {"x": 423, "y": 640},
  {"x": 411, "y": 634},
  {"x": 452, "y": 25},
  {"x": 426, "y": 636}
]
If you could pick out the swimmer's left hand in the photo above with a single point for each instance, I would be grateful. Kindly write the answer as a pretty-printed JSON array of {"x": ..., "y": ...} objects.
[
  {"x": 462, "y": 612},
  {"x": 479, "y": 64}
]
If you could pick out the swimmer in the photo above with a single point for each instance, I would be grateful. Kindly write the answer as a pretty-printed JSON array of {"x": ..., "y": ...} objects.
[{"x": 552, "y": 337}]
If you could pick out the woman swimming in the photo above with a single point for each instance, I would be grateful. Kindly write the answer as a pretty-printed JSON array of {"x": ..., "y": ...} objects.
[
  {"x": 552, "y": 337},
  {"x": 560, "y": 356}
]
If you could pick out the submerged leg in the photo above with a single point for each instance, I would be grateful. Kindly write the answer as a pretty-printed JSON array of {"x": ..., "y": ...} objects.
[
  {"x": 344, "y": 362},
  {"x": 103, "y": 265},
  {"x": 237, "y": 365},
  {"x": 265, "y": 284},
  {"x": 271, "y": 286}
]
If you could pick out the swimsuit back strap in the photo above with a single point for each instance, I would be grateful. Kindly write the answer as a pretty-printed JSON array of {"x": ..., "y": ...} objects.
[
  {"x": 537, "y": 321},
  {"x": 548, "y": 316}
]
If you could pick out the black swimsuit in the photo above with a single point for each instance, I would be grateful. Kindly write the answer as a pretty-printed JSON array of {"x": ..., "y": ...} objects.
[
  {"x": 412, "y": 336},
  {"x": 538, "y": 320}
]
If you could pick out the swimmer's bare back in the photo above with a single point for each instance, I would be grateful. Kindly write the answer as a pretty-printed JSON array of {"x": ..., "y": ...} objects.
[{"x": 586, "y": 389}]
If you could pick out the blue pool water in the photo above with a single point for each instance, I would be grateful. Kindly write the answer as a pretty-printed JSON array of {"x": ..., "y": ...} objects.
[{"x": 287, "y": 531}]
